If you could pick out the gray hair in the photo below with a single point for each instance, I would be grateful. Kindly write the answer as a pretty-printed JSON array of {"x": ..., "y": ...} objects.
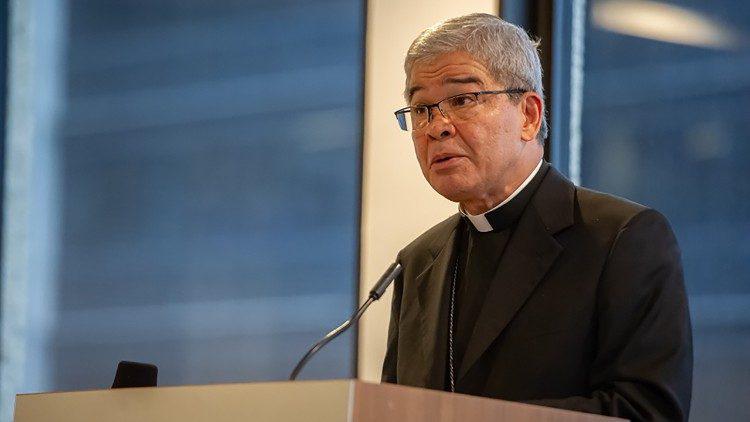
[{"x": 506, "y": 50}]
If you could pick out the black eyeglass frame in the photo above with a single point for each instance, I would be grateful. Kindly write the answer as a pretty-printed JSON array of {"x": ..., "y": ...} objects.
[{"x": 401, "y": 113}]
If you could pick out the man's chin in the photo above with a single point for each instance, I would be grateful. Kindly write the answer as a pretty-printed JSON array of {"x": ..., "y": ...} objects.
[{"x": 452, "y": 192}]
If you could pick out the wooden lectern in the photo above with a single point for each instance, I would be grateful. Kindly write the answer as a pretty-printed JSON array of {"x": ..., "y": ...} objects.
[{"x": 301, "y": 401}]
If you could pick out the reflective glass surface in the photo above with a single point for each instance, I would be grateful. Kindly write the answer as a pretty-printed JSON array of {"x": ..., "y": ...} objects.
[
  {"x": 209, "y": 189},
  {"x": 665, "y": 123}
]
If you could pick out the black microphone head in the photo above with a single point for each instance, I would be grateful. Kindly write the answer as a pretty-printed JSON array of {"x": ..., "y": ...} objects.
[
  {"x": 135, "y": 374},
  {"x": 390, "y": 274}
]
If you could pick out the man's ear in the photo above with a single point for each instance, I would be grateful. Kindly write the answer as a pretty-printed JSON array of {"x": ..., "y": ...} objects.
[{"x": 531, "y": 108}]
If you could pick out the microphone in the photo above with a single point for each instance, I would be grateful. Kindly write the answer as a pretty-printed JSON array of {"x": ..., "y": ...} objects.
[
  {"x": 135, "y": 374},
  {"x": 385, "y": 280}
]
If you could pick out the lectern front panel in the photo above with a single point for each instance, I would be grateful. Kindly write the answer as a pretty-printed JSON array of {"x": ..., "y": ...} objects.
[{"x": 302, "y": 401}]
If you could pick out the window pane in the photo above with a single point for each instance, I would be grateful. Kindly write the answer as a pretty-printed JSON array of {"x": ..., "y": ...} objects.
[
  {"x": 210, "y": 178},
  {"x": 665, "y": 123}
]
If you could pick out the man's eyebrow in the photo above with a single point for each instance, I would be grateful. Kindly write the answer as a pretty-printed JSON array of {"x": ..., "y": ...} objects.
[{"x": 412, "y": 90}]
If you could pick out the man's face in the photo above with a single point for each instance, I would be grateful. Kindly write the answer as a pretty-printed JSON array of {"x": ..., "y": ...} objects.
[{"x": 471, "y": 160}]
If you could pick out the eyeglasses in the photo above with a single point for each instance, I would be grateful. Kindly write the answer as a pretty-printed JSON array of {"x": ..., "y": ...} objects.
[{"x": 458, "y": 107}]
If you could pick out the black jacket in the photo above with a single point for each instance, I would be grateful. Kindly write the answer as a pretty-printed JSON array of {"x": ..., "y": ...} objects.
[{"x": 587, "y": 310}]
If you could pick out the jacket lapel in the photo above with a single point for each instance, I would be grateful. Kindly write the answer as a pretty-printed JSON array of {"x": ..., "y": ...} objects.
[
  {"x": 530, "y": 252},
  {"x": 432, "y": 313}
]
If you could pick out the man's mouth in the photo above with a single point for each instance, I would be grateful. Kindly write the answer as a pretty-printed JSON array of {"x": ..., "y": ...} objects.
[
  {"x": 443, "y": 160},
  {"x": 443, "y": 157}
]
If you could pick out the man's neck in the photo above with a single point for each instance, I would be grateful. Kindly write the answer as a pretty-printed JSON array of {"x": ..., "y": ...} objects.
[{"x": 510, "y": 190}]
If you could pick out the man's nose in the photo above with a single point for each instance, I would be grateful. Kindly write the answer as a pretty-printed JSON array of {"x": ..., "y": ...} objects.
[{"x": 439, "y": 126}]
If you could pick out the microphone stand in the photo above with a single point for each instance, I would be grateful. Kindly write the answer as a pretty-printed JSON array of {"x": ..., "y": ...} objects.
[{"x": 391, "y": 273}]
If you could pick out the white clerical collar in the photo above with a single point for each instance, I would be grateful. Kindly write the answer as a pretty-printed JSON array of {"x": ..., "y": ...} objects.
[{"x": 480, "y": 221}]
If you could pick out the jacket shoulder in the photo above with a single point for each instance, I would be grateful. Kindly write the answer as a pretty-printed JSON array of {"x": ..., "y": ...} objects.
[
  {"x": 431, "y": 241},
  {"x": 606, "y": 210}
]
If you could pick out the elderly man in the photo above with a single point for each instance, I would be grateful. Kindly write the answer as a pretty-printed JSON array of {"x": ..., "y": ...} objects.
[{"x": 537, "y": 290}]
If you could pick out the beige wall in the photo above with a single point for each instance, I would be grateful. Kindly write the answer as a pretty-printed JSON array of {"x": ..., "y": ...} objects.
[{"x": 398, "y": 204}]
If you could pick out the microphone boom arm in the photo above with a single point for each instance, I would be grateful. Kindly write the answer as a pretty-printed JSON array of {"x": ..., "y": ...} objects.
[{"x": 393, "y": 271}]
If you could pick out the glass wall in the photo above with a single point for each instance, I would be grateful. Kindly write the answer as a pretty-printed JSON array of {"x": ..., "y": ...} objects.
[
  {"x": 665, "y": 123},
  {"x": 208, "y": 190}
]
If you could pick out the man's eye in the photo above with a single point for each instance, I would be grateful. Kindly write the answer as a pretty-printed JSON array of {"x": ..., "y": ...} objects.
[
  {"x": 419, "y": 111},
  {"x": 462, "y": 101}
]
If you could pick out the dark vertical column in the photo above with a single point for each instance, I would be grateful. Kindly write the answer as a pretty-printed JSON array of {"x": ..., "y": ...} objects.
[
  {"x": 536, "y": 17},
  {"x": 558, "y": 146}
]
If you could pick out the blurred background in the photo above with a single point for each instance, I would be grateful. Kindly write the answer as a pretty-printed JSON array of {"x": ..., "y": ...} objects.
[
  {"x": 184, "y": 177},
  {"x": 666, "y": 122},
  {"x": 204, "y": 185}
]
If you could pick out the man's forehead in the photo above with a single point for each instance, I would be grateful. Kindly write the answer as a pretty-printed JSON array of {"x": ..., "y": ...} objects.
[{"x": 449, "y": 69}]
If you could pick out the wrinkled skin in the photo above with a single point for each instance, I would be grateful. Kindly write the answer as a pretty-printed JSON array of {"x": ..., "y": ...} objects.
[{"x": 488, "y": 156}]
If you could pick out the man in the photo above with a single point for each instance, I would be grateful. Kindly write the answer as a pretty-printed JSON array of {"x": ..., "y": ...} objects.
[{"x": 538, "y": 290}]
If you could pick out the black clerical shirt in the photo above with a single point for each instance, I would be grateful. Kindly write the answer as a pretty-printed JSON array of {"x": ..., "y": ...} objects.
[{"x": 478, "y": 258}]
